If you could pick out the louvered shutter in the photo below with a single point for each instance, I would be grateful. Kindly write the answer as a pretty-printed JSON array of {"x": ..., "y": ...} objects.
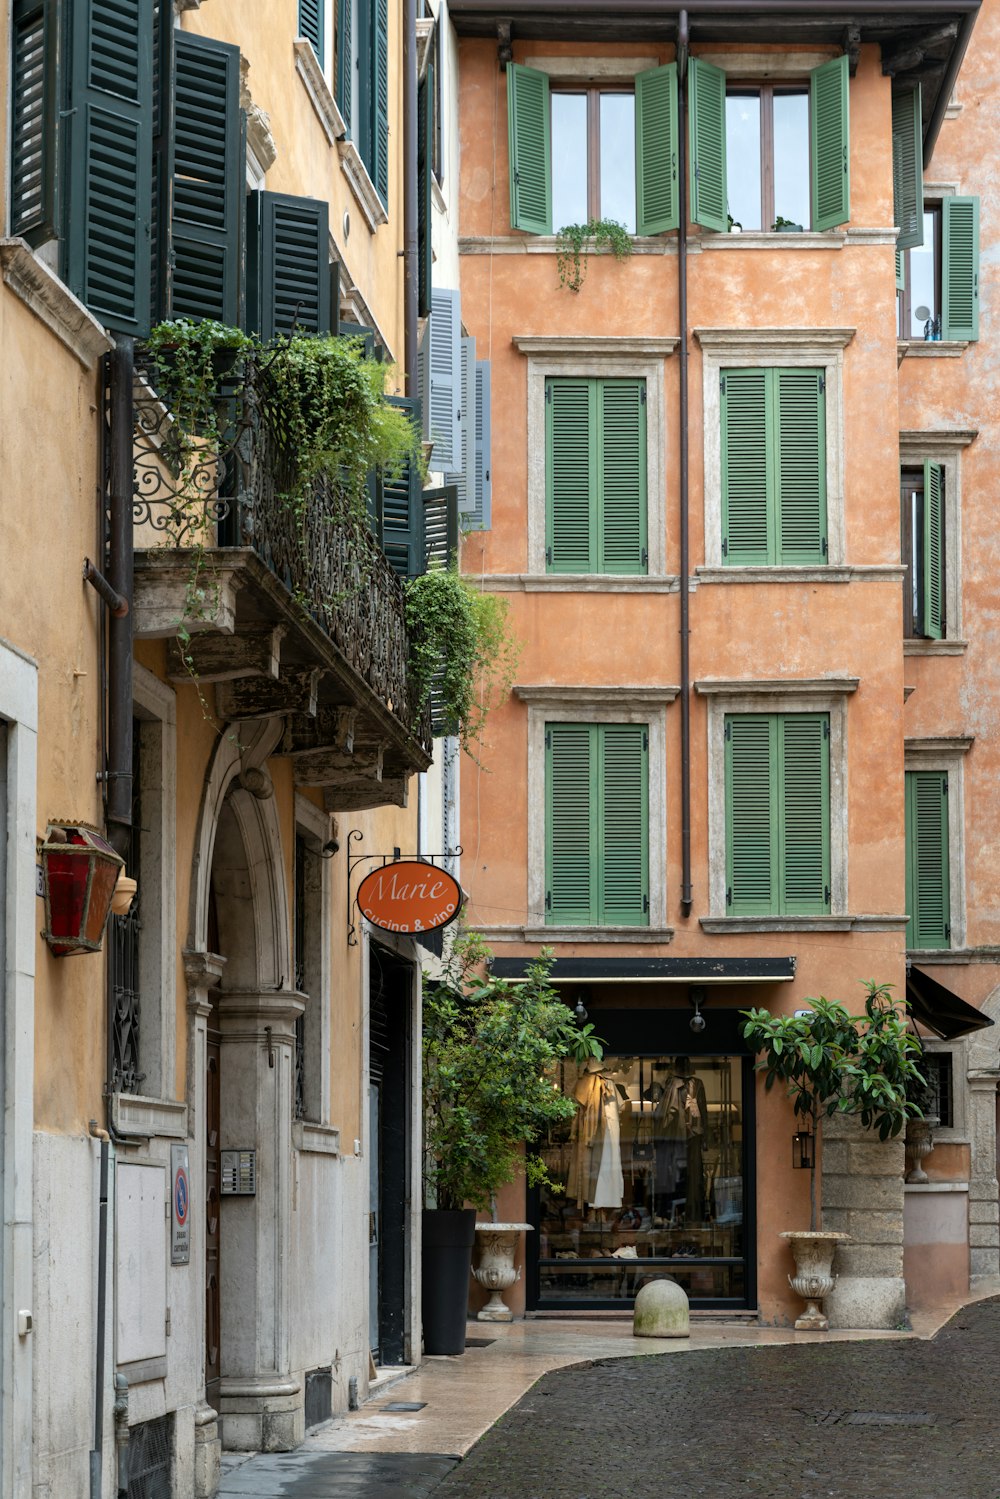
[
  {"x": 110, "y": 158},
  {"x": 425, "y": 208},
  {"x": 528, "y": 129},
  {"x": 933, "y": 616},
  {"x": 345, "y": 61},
  {"x": 927, "y": 865},
  {"x": 570, "y": 824},
  {"x": 747, "y": 467},
  {"x": 570, "y": 452},
  {"x": 900, "y": 271},
  {"x": 445, "y": 357},
  {"x": 479, "y": 517},
  {"x": 804, "y": 813},
  {"x": 656, "y": 150},
  {"x": 830, "y": 143},
  {"x": 311, "y": 13},
  {"x": 464, "y": 477},
  {"x": 34, "y": 91},
  {"x": 207, "y": 180},
  {"x": 402, "y": 508},
  {"x": 751, "y": 806},
  {"x": 800, "y": 466},
  {"x": 440, "y": 527},
  {"x": 908, "y": 169},
  {"x": 621, "y": 476},
  {"x": 623, "y": 824},
  {"x": 960, "y": 268},
  {"x": 380, "y": 101},
  {"x": 707, "y": 130},
  {"x": 288, "y": 264}
]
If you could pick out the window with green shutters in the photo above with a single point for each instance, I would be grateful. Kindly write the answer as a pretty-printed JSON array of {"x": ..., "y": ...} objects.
[
  {"x": 595, "y": 461},
  {"x": 960, "y": 268},
  {"x": 773, "y": 467},
  {"x": 777, "y": 788},
  {"x": 288, "y": 264},
  {"x": 922, "y": 493},
  {"x": 928, "y": 902},
  {"x": 596, "y": 824},
  {"x": 361, "y": 73},
  {"x": 908, "y": 168}
]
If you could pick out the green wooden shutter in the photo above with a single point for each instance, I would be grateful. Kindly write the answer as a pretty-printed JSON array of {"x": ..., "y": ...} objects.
[
  {"x": 288, "y": 264},
  {"x": 934, "y": 616},
  {"x": 208, "y": 180},
  {"x": 110, "y": 160},
  {"x": 311, "y": 14},
  {"x": 928, "y": 898},
  {"x": 621, "y": 476},
  {"x": 440, "y": 527},
  {"x": 344, "y": 80},
  {"x": 960, "y": 268},
  {"x": 570, "y": 826},
  {"x": 707, "y": 130},
  {"x": 830, "y": 143},
  {"x": 528, "y": 130},
  {"x": 33, "y": 120},
  {"x": 800, "y": 466},
  {"x": 908, "y": 169},
  {"x": 747, "y": 467},
  {"x": 379, "y": 163},
  {"x": 403, "y": 508},
  {"x": 571, "y": 465},
  {"x": 622, "y": 862},
  {"x": 425, "y": 204},
  {"x": 804, "y": 813},
  {"x": 656, "y": 193},
  {"x": 752, "y": 841}
]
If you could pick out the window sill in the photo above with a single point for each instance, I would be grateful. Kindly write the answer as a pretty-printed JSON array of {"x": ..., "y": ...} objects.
[
  {"x": 145, "y": 1118},
  {"x": 619, "y": 934},
  {"x": 832, "y": 573},
  {"x": 52, "y": 302},
  {"x": 361, "y": 184},
  {"x": 327, "y": 112},
  {"x": 945, "y": 348},
  {"x": 315, "y": 1139},
  {"x": 917, "y": 646},
  {"x": 551, "y": 244},
  {"x": 722, "y": 925},
  {"x": 809, "y": 239},
  {"x": 577, "y": 583}
]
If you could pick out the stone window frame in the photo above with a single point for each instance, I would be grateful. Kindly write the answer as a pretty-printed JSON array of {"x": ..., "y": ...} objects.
[
  {"x": 601, "y": 358},
  {"x": 942, "y": 445},
  {"x": 598, "y": 705},
  {"x": 947, "y": 755},
  {"x": 813, "y": 695},
  {"x": 315, "y": 1133},
  {"x": 957, "y": 1132},
  {"x": 773, "y": 348}
]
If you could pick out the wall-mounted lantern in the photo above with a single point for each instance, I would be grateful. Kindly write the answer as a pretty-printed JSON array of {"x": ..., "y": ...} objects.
[
  {"x": 803, "y": 1150},
  {"x": 79, "y": 872}
]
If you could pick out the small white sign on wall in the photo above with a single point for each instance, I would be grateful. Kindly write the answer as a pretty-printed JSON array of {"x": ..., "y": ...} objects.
[{"x": 140, "y": 1262}]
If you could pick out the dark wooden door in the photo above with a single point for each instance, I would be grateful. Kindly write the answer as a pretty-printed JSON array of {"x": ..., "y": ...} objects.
[{"x": 213, "y": 1184}]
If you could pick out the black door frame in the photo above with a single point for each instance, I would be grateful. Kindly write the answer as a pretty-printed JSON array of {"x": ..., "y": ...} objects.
[{"x": 390, "y": 983}]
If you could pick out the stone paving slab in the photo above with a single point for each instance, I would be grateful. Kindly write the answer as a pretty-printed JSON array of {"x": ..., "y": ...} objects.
[{"x": 336, "y": 1475}]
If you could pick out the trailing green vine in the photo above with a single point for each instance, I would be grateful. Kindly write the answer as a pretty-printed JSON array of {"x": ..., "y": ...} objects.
[{"x": 576, "y": 241}]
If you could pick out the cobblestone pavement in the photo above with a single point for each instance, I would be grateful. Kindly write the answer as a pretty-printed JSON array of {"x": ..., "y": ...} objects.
[{"x": 902, "y": 1419}]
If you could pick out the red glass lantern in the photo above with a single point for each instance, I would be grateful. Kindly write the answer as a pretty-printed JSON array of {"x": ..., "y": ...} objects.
[{"x": 79, "y": 871}]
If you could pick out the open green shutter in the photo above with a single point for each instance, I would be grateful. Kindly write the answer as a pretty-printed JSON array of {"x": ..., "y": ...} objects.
[
  {"x": 403, "y": 508},
  {"x": 344, "y": 80},
  {"x": 570, "y": 463},
  {"x": 927, "y": 865},
  {"x": 656, "y": 150},
  {"x": 707, "y": 130},
  {"x": 800, "y": 466},
  {"x": 440, "y": 527},
  {"x": 751, "y": 806},
  {"x": 830, "y": 143},
  {"x": 425, "y": 206},
  {"x": 33, "y": 114},
  {"x": 747, "y": 467},
  {"x": 380, "y": 102},
  {"x": 208, "y": 179},
  {"x": 530, "y": 153},
  {"x": 960, "y": 268},
  {"x": 288, "y": 264},
  {"x": 623, "y": 824},
  {"x": 934, "y": 616},
  {"x": 311, "y": 14},
  {"x": 570, "y": 802},
  {"x": 908, "y": 169},
  {"x": 110, "y": 160},
  {"x": 621, "y": 476},
  {"x": 804, "y": 813}
]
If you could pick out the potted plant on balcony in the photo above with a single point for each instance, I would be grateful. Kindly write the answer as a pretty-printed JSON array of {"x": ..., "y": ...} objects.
[
  {"x": 490, "y": 1049},
  {"x": 833, "y": 1062}
]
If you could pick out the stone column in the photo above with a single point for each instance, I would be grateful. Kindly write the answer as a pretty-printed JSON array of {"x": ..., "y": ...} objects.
[
  {"x": 863, "y": 1196},
  {"x": 262, "y": 1402},
  {"x": 984, "y": 1211}
]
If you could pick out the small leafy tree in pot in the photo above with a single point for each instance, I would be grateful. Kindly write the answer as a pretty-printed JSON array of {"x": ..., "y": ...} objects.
[{"x": 833, "y": 1062}]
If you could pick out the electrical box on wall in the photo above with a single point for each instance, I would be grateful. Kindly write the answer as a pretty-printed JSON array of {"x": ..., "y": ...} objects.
[{"x": 239, "y": 1173}]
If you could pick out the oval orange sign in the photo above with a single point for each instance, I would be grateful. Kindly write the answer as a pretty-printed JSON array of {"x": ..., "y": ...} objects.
[{"x": 409, "y": 896}]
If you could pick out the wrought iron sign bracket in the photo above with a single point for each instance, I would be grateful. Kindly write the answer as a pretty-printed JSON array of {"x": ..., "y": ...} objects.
[{"x": 381, "y": 860}]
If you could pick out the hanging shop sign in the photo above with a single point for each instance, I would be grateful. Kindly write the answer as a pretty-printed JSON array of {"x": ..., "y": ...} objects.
[{"x": 409, "y": 896}]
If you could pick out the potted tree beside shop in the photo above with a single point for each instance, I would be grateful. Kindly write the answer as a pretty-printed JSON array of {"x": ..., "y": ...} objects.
[
  {"x": 490, "y": 1051},
  {"x": 833, "y": 1062}
]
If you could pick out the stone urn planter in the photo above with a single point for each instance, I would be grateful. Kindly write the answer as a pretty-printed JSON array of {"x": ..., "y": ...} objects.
[
  {"x": 496, "y": 1244},
  {"x": 919, "y": 1143},
  {"x": 814, "y": 1277}
]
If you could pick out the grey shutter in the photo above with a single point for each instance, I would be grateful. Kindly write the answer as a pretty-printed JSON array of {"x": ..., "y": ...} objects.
[
  {"x": 445, "y": 355},
  {"x": 379, "y": 164},
  {"x": 34, "y": 103},
  {"x": 344, "y": 80},
  {"x": 464, "y": 478},
  {"x": 402, "y": 508},
  {"x": 311, "y": 14},
  {"x": 288, "y": 264},
  {"x": 479, "y": 518}
]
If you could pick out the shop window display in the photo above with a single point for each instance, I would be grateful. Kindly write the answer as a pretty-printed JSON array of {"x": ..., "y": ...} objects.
[{"x": 646, "y": 1180}]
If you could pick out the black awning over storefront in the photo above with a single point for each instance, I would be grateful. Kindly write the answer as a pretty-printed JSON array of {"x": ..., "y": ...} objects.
[
  {"x": 941, "y": 1011},
  {"x": 655, "y": 970}
]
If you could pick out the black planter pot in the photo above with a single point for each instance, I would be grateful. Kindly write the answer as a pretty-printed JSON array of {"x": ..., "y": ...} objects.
[{"x": 448, "y": 1238}]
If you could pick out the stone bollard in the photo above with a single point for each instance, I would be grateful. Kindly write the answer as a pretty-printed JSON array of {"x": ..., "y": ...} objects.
[{"x": 661, "y": 1310}]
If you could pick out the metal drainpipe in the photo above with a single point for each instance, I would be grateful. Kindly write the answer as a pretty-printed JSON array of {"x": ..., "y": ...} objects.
[
  {"x": 97, "y": 1452},
  {"x": 410, "y": 261},
  {"x": 685, "y": 693},
  {"x": 121, "y": 368}
]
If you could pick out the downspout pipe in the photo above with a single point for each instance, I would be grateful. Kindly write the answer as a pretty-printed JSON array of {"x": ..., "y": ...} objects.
[
  {"x": 683, "y": 36},
  {"x": 410, "y": 252},
  {"x": 97, "y": 1451},
  {"x": 118, "y": 801}
]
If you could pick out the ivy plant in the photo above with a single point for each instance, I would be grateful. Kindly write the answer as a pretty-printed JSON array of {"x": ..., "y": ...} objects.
[{"x": 576, "y": 241}]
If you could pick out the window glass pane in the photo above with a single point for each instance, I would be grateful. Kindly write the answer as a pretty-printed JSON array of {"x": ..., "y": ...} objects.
[
  {"x": 923, "y": 280},
  {"x": 791, "y": 158},
  {"x": 618, "y": 159},
  {"x": 743, "y": 158},
  {"x": 569, "y": 159}
]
